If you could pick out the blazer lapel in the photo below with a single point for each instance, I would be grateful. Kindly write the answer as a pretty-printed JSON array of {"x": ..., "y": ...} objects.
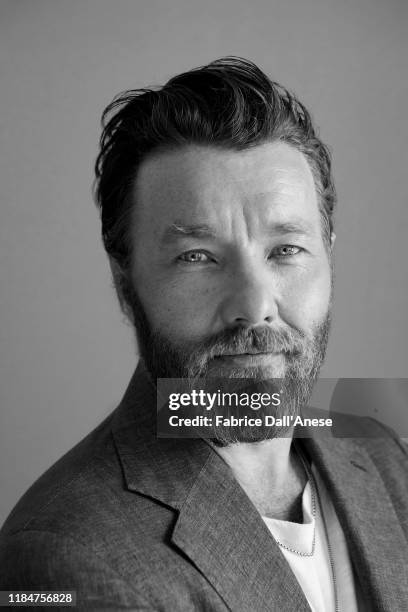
[
  {"x": 225, "y": 537},
  {"x": 377, "y": 544},
  {"x": 218, "y": 527}
]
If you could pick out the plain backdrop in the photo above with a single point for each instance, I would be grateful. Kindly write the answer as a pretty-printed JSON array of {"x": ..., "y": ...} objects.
[{"x": 66, "y": 354}]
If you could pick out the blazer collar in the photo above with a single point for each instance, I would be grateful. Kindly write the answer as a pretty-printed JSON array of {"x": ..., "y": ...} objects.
[
  {"x": 377, "y": 544},
  {"x": 221, "y": 531}
]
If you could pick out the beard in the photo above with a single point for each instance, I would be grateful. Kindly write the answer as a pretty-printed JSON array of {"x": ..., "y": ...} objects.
[{"x": 301, "y": 355}]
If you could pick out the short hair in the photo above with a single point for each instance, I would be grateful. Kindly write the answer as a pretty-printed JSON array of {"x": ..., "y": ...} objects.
[{"x": 229, "y": 103}]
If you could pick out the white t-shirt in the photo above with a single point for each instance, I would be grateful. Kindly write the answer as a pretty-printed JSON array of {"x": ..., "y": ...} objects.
[{"x": 314, "y": 571}]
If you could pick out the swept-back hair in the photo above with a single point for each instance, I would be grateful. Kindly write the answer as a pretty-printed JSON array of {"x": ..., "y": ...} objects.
[{"x": 230, "y": 103}]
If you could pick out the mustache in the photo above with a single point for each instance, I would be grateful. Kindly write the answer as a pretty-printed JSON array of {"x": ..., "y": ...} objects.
[{"x": 251, "y": 340}]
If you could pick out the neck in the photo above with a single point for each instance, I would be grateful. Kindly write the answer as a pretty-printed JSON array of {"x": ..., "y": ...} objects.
[{"x": 270, "y": 474}]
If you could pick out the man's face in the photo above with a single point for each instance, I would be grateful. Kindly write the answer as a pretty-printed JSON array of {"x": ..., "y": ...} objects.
[{"x": 229, "y": 264}]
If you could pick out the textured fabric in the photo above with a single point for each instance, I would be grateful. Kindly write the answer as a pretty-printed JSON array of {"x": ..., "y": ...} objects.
[
  {"x": 135, "y": 522},
  {"x": 348, "y": 592},
  {"x": 312, "y": 569}
]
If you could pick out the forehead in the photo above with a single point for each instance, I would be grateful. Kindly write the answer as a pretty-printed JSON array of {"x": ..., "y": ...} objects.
[{"x": 270, "y": 182}]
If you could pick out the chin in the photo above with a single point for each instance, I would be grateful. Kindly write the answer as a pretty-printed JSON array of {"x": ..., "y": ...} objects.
[{"x": 249, "y": 435}]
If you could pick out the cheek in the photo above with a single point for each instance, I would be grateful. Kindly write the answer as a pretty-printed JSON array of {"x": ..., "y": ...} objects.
[
  {"x": 178, "y": 310},
  {"x": 305, "y": 302}
]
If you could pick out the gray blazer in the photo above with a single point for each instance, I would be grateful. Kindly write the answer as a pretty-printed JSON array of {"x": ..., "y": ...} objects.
[{"x": 133, "y": 522}]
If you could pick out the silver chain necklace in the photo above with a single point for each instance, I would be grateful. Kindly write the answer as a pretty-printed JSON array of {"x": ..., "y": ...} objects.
[
  {"x": 313, "y": 490},
  {"x": 315, "y": 497}
]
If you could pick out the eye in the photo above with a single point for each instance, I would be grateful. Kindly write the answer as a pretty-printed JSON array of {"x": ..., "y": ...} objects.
[
  {"x": 286, "y": 250},
  {"x": 194, "y": 257}
]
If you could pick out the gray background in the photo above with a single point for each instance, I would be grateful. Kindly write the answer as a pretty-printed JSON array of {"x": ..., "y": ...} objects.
[{"x": 66, "y": 355}]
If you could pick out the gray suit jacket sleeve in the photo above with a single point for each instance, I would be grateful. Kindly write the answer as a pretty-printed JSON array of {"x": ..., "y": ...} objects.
[{"x": 62, "y": 564}]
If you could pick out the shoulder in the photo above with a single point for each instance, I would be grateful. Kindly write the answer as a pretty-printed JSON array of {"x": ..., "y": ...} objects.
[
  {"x": 387, "y": 450},
  {"x": 351, "y": 435},
  {"x": 84, "y": 493},
  {"x": 77, "y": 521},
  {"x": 381, "y": 442},
  {"x": 375, "y": 437},
  {"x": 74, "y": 476}
]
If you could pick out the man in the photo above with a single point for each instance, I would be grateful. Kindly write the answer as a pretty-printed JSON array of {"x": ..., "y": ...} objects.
[{"x": 217, "y": 202}]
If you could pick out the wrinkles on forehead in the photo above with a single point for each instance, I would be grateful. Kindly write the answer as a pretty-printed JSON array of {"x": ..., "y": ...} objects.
[{"x": 206, "y": 192}]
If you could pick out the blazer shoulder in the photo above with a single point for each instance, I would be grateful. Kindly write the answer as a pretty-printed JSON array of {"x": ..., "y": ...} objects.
[
  {"x": 385, "y": 447},
  {"x": 78, "y": 473}
]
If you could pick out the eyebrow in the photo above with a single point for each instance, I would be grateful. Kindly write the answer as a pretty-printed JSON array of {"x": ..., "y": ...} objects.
[
  {"x": 300, "y": 227},
  {"x": 202, "y": 230},
  {"x": 178, "y": 230}
]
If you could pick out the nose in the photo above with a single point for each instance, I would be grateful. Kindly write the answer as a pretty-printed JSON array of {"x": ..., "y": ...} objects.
[{"x": 251, "y": 298}]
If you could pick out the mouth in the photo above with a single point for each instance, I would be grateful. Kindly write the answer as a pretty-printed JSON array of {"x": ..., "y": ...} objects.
[
  {"x": 246, "y": 353},
  {"x": 255, "y": 358}
]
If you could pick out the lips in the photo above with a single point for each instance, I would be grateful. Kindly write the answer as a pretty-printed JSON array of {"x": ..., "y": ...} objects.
[
  {"x": 249, "y": 358},
  {"x": 247, "y": 353}
]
